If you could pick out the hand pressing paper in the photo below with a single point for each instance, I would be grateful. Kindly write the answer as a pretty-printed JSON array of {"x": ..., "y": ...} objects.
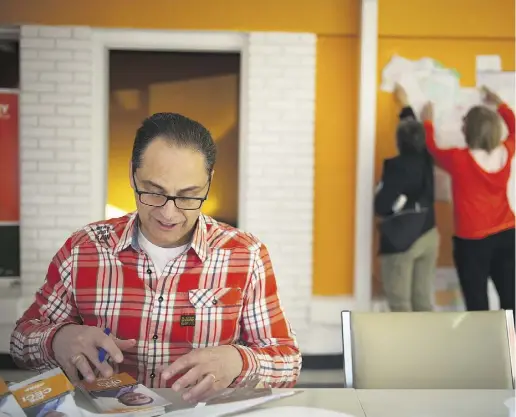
[{"x": 393, "y": 71}]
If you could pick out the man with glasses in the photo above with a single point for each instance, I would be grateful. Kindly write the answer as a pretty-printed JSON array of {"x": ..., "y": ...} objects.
[{"x": 173, "y": 297}]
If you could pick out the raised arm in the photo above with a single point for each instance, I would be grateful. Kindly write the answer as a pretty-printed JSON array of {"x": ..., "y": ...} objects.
[
  {"x": 406, "y": 112},
  {"x": 401, "y": 97},
  {"x": 508, "y": 117},
  {"x": 53, "y": 308},
  {"x": 270, "y": 348},
  {"x": 506, "y": 113},
  {"x": 442, "y": 157}
]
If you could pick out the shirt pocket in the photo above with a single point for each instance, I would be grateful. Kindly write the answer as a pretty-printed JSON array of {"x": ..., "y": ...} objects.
[{"x": 217, "y": 313}]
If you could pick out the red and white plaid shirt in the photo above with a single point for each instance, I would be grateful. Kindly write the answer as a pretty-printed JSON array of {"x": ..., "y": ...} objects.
[{"x": 222, "y": 291}]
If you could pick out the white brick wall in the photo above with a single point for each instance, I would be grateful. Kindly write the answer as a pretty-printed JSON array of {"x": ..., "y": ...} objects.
[
  {"x": 280, "y": 160},
  {"x": 55, "y": 109}
]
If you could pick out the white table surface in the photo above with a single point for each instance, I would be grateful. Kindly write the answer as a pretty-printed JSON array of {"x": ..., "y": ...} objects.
[
  {"x": 333, "y": 399},
  {"x": 393, "y": 403},
  {"x": 434, "y": 403}
]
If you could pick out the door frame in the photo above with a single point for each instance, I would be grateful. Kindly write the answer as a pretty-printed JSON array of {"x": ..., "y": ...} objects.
[{"x": 104, "y": 40}]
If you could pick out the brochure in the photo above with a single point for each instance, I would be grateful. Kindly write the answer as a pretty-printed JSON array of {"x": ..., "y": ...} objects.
[
  {"x": 8, "y": 404},
  {"x": 121, "y": 393},
  {"x": 46, "y": 395}
]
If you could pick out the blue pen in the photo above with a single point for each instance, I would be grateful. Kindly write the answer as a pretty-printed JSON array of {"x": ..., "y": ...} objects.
[{"x": 102, "y": 352}]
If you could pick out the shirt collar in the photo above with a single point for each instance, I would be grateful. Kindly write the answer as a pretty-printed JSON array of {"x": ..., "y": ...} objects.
[
  {"x": 200, "y": 239},
  {"x": 129, "y": 235},
  {"x": 199, "y": 243}
]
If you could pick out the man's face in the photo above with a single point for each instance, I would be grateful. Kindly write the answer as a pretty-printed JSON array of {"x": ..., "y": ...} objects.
[
  {"x": 135, "y": 399},
  {"x": 173, "y": 171}
]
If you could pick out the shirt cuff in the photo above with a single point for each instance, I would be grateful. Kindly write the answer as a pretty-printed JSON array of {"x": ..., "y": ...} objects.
[
  {"x": 250, "y": 364},
  {"x": 47, "y": 340}
]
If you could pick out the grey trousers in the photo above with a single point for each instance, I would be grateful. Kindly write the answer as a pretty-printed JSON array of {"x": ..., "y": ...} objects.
[{"x": 408, "y": 277}]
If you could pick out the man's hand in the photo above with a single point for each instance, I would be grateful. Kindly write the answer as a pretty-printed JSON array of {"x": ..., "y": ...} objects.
[
  {"x": 205, "y": 371},
  {"x": 491, "y": 97},
  {"x": 401, "y": 95},
  {"x": 76, "y": 349},
  {"x": 427, "y": 114}
]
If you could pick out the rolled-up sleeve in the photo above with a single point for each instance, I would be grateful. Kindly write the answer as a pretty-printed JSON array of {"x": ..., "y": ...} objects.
[
  {"x": 53, "y": 308},
  {"x": 269, "y": 347}
]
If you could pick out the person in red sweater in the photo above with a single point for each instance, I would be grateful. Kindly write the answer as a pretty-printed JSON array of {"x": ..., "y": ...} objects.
[{"x": 483, "y": 245}]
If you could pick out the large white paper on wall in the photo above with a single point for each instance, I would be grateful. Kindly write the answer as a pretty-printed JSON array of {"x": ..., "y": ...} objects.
[
  {"x": 503, "y": 83},
  {"x": 427, "y": 80},
  {"x": 424, "y": 80}
]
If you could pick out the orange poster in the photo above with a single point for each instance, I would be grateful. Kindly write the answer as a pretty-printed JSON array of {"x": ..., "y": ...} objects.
[{"x": 9, "y": 159}]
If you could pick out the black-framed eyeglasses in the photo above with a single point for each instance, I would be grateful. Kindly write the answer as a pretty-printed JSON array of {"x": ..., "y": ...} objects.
[{"x": 182, "y": 203}]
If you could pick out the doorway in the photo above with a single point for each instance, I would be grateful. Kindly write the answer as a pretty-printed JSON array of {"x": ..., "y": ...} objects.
[{"x": 203, "y": 86}]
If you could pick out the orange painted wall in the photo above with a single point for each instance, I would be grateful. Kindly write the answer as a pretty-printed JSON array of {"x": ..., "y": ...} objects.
[
  {"x": 335, "y": 21},
  {"x": 463, "y": 32},
  {"x": 325, "y": 17},
  {"x": 335, "y": 167},
  {"x": 446, "y": 19}
]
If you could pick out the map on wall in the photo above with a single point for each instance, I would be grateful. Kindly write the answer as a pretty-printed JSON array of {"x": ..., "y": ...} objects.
[{"x": 427, "y": 80}]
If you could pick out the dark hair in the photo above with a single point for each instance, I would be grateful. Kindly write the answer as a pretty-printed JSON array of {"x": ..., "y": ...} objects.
[
  {"x": 179, "y": 130},
  {"x": 410, "y": 137}
]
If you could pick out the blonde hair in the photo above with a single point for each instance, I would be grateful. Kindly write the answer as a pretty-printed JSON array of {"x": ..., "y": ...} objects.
[{"x": 482, "y": 128}]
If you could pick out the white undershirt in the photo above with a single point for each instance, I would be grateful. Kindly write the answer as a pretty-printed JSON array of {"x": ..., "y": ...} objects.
[
  {"x": 160, "y": 257},
  {"x": 491, "y": 162}
]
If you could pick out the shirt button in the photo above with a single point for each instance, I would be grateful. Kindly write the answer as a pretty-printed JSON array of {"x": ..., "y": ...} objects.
[
  {"x": 153, "y": 375},
  {"x": 149, "y": 271},
  {"x": 160, "y": 299},
  {"x": 155, "y": 337},
  {"x": 214, "y": 302}
]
